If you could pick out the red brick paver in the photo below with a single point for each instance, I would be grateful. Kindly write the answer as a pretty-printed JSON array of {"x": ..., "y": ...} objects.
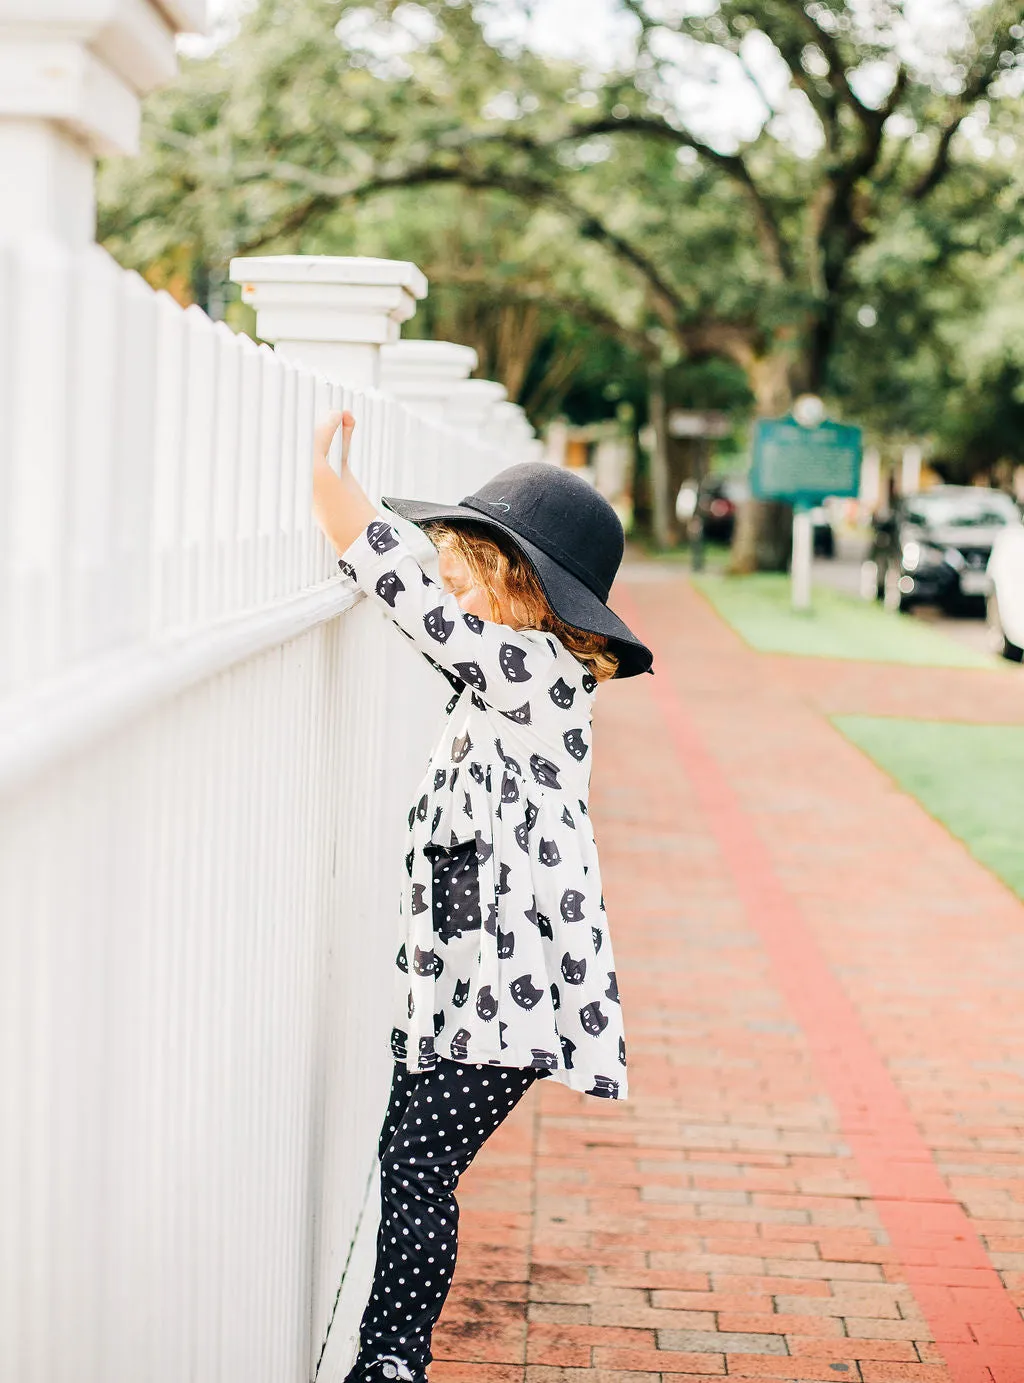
[{"x": 818, "y": 1174}]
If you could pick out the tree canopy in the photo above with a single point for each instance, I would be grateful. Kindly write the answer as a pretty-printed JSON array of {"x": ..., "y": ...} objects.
[{"x": 857, "y": 236}]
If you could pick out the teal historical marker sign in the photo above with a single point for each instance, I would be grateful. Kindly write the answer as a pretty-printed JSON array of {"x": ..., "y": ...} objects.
[{"x": 803, "y": 465}]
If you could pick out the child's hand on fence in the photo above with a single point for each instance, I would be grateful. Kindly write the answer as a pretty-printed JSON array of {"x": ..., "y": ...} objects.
[
  {"x": 324, "y": 436},
  {"x": 342, "y": 509}
]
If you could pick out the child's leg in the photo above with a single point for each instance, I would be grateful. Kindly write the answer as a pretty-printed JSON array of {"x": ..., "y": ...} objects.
[
  {"x": 448, "y": 1116},
  {"x": 402, "y": 1086}
]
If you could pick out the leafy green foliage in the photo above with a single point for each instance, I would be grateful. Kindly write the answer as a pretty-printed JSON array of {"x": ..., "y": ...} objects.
[{"x": 578, "y": 225}]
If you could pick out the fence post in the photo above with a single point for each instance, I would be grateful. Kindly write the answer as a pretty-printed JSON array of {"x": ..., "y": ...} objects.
[
  {"x": 72, "y": 78},
  {"x": 332, "y": 313},
  {"x": 471, "y": 404},
  {"x": 510, "y": 427},
  {"x": 424, "y": 374}
]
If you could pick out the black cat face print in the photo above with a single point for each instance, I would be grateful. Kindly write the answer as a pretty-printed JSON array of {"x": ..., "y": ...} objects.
[
  {"x": 548, "y": 852},
  {"x": 575, "y": 744},
  {"x": 389, "y": 587},
  {"x": 472, "y": 674},
  {"x": 562, "y": 694},
  {"x": 461, "y": 746},
  {"x": 605, "y": 1087},
  {"x": 592, "y": 1019},
  {"x": 571, "y": 906},
  {"x": 544, "y": 771},
  {"x": 512, "y": 662},
  {"x": 525, "y": 992},
  {"x": 500, "y": 959},
  {"x": 510, "y": 763},
  {"x": 439, "y": 628},
  {"x": 381, "y": 537},
  {"x": 574, "y": 971},
  {"x": 427, "y": 963}
]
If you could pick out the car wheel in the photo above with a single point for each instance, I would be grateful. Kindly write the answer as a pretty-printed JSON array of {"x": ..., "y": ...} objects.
[
  {"x": 892, "y": 597},
  {"x": 1001, "y": 646}
]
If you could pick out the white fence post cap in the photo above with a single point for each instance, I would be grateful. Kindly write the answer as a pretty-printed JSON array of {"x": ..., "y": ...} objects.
[
  {"x": 508, "y": 426},
  {"x": 337, "y": 298},
  {"x": 331, "y": 312},
  {"x": 470, "y": 404},
  {"x": 85, "y": 65},
  {"x": 330, "y": 269},
  {"x": 425, "y": 371}
]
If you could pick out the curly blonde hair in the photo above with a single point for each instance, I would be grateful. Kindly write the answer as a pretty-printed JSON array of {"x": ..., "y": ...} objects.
[{"x": 501, "y": 567}]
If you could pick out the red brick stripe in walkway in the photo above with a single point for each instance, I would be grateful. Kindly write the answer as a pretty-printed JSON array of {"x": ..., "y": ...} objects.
[{"x": 819, "y": 1172}]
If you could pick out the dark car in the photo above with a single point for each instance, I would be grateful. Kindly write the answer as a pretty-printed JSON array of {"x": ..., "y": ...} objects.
[
  {"x": 717, "y": 504},
  {"x": 720, "y": 498},
  {"x": 934, "y": 547}
]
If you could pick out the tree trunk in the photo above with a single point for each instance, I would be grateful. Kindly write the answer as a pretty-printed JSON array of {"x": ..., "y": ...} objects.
[
  {"x": 762, "y": 538},
  {"x": 662, "y": 502}
]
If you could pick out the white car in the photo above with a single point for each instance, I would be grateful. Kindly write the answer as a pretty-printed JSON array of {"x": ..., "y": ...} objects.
[{"x": 1006, "y": 593}]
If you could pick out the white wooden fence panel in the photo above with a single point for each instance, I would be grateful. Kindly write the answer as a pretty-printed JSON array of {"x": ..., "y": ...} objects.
[
  {"x": 7, "y": 382},
  {"x": 132, "y": 498},
  {"x": 204, "y": 776}
]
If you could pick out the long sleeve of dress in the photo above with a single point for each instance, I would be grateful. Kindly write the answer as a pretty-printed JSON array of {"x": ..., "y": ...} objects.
[{"x": 503, "y": 666}]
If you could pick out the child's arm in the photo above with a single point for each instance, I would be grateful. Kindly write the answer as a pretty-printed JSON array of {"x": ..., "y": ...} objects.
[{"x": 339, "y": 504}]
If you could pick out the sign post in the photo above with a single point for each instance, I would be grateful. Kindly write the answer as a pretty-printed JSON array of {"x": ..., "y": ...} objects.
[
  {"x": 803, "y": 552},
  {"x": 802, "y": 459}
]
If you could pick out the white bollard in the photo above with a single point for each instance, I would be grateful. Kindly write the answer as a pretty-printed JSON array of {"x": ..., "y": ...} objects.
[
  {"x": 72, "y": 79},
  {"x": 424, "y": 374},
  {"x": 332, "y": 313}
]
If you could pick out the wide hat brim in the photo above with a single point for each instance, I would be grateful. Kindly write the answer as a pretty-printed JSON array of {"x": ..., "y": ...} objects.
[{"x": 570, "y": 598}]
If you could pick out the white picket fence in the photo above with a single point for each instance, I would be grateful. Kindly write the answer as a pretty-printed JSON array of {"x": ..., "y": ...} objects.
[{"x": 205, "y": 763}]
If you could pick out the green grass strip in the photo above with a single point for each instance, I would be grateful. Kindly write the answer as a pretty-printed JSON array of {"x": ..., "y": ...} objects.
[
  {"x": 838, "y": 626},
  {"x": 969, "y": 777}
]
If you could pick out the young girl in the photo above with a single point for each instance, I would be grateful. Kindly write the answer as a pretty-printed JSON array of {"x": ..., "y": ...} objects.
[{"x": 505, "y": 971}]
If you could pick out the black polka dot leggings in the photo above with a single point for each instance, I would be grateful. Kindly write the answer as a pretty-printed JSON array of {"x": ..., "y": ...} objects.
[{"x": 436, "y": 1123}]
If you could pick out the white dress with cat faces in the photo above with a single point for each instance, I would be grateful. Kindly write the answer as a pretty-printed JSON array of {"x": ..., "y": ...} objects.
[{"x": 506, "y": 955}]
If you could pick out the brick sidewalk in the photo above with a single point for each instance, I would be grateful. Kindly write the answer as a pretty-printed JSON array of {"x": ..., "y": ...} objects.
[{"x": 818, "y": 1174}]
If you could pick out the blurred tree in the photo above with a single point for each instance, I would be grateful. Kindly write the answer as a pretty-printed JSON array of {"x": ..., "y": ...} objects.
[
  {"x": 605, "y": 202},
  {"x": 933, "y": 349}
]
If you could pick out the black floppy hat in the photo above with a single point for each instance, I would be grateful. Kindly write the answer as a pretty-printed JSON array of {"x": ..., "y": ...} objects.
[{"x": 569, "y": 534}]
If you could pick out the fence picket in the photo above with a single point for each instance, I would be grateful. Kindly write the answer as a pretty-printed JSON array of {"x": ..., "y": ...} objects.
[{"x": 194, "y": 1008}]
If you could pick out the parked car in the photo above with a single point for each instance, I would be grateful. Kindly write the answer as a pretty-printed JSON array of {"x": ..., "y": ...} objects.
[
  {"x": 1006, "y": 593},
  {"x": 718, "y": 501},
  {"x": 934, "y": 547}
]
